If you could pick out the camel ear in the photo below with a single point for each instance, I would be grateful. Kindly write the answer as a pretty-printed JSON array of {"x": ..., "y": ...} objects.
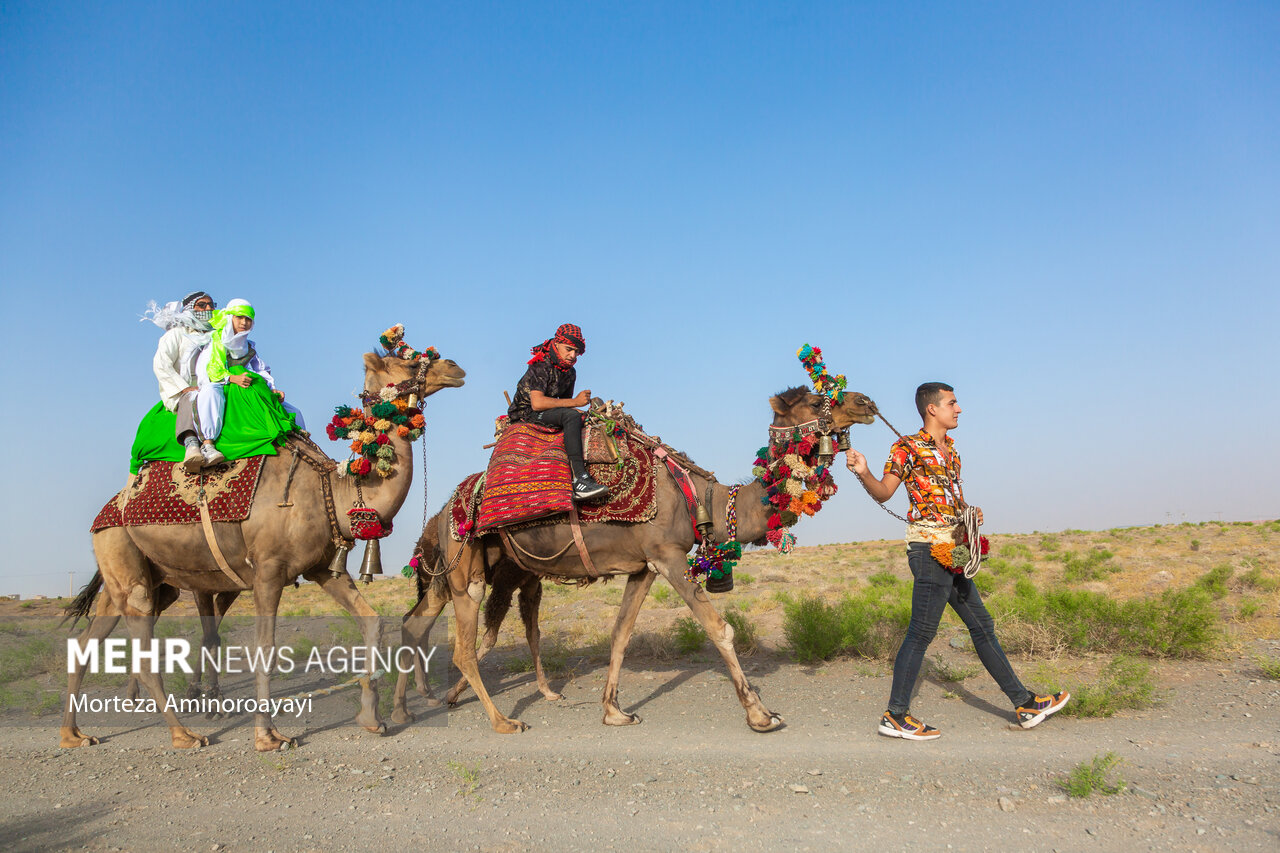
[
  {"x": 779, "y": 407},
  {"x": 372, "y": 361}
]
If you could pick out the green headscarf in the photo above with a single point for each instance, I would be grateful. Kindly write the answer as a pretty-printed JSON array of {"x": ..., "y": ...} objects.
[{"x": 221, "y": 326}]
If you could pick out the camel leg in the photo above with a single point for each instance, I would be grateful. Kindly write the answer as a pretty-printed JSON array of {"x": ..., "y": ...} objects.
[
  {"x": 414, "y": 629},
  {"x": 343, "y": 590},
  {"x": 212, "y": 610},
  {"x": 266, "y": 601},
  {"x": 100, "y": 626},
  {"x": 466, "y": 613},
  {"x": 632, "y": 597},
  {"x": 720, "y": 632},
  {"x": 139, "y": 615},
  {"x": 530, "y": 602},
  {"x": 487, "y": 642},
  {"x": 165, "y": 596}
]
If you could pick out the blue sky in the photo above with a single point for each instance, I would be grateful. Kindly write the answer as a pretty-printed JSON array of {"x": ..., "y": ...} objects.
[{"x": 1069, "y": 212}]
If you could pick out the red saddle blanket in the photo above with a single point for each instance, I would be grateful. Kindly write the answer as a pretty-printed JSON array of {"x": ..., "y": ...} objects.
[
  {"x": 528, "y": 480},
  {"x": 164, "y": 493}
]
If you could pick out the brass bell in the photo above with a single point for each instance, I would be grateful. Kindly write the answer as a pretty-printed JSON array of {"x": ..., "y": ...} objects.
[
  {"x": 372, "y": 563},
  {"x": 842, "y": 442},
  {"x": 338, "y": 565},
  {"x": 826, "y": 449},
  {"x": 702, "y": 519}
]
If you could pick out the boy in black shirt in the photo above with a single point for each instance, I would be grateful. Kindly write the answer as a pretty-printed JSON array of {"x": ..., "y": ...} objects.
[{"x": 544, "y": 396}]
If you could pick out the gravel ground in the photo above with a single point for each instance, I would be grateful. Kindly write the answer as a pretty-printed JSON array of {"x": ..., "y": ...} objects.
[{"x": 1202, "y": 771}]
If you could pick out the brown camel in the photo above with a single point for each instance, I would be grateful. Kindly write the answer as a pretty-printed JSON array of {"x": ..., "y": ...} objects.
[
  {"x": 270, "y": 549},
  {"x": 639, "y": 551}
]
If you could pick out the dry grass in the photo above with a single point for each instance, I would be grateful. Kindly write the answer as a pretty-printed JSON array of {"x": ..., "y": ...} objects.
[{"x": 1239, "y": 560}]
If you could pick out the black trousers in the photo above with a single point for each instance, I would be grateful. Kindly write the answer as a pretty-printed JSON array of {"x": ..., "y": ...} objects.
[{"x": 568, "y": 420}]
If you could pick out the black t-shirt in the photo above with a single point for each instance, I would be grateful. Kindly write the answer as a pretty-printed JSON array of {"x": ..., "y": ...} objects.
[{"x": 545, "y": 377}]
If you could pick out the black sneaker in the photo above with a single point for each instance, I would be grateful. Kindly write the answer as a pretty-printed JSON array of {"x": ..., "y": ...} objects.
[
  {"x": 907, "y": 727},
  {"x": 1033, "y": 713},
  {"x": 586, "y": 489}
]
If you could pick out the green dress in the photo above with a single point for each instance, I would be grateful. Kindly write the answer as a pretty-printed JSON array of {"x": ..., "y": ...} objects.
[{"x": 255, "y": 424}]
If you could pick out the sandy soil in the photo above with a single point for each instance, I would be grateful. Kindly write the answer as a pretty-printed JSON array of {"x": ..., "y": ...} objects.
[{"x": 1202, "y": 769}]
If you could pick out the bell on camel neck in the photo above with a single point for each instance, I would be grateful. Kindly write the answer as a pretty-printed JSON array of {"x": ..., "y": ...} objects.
[
  {"x": 702, "y": 519},
  {"x": 826, "y": 449},
  {"x": 372, "y": 563},
  {"x": 338, "y": 565},
  {"x": 842, "y": 441}
]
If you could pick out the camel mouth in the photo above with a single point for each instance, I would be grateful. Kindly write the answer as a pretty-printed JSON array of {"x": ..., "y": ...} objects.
[{"x": 452, "y": 381}]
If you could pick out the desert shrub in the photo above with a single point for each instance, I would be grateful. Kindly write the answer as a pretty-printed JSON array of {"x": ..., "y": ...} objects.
[
  {"x": 1180, "y": 623},
  {"x": 1248, "y": 608},
  {"x": 870, "y": 623},
  {"x": 1214, "y": 581},
  {"x": 1014, "y": 551},
  {"x": 743, "y": 578},
  {"x": 689, "y": 635},
  {"x": 663, "y": 594},
  {"x": 1090, "y": 566},
  {"x": 1270, "y": 666},
  {"x": 1258, "y": 579},
  {"x": 812, "y": 629},
  {"x": 952, "y": 673},
  {"x": 1122, "y": 684},
  {"x": 1094, "y": 775},
  {"x": 745, "y": 639},
  {"x": 1049, "y": 543}
]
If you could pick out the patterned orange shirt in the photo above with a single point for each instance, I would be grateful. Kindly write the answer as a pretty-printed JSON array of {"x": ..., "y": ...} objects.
[{"x": 915, "y": 460}]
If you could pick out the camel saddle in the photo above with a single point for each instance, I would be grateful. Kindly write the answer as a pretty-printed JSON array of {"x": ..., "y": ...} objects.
[
  {"x": 164, "y": 493},
  {"x": 528, "y": 481}
]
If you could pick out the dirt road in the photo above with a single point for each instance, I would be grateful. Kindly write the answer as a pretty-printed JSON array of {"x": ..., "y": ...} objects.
[{"x": 1202, "y": 771}]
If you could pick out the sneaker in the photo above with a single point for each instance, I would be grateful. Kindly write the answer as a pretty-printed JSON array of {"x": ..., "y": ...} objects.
[
  {"x": 193, "y": 459},
  {"x": 212, "y": 455},
  {"x": 906, "y": 726},
  {"x": 1033, "y": 713},
  {"x": 587, "y": 489}
]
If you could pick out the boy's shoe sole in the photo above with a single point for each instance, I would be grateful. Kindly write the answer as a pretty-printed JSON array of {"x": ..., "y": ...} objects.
[
  {"x": 193, "y": 460},
  {"x": 890, "y": 729},
  {"x": 1029, "y": 719}
]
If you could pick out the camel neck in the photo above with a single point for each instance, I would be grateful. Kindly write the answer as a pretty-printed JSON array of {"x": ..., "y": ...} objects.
[{"x": 386, "y": 495}]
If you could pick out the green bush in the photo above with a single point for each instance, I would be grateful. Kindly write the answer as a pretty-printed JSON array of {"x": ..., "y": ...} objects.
[
  {"x": 1124, "y": 683},
  {"x": 1259, "y": 580},
  {"x": 1095, "y": 775},
  {"x": 1049, "y": 543},
  {"x": 869, "y": 624},
  {"x": 745, "y": 639},
  {"x": 1270, "y": 666},
  {"x": 689, "y": 635},
  {"x": 1180, "y": 623},
  {"x": 1091, "y": 566},
  {"x": 1215, "y": 580}
]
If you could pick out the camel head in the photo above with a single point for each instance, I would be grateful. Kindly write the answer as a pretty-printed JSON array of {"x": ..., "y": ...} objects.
[
  {"x": 429, "y": 374},
  {"x": 800, "y": 405}
]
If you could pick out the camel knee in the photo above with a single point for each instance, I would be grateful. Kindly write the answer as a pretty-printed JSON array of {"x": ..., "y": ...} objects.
[
  {"x": 475, "y": 589},
  {"x": 140, "y": 599},
  {"x": 725, "y": 642}
]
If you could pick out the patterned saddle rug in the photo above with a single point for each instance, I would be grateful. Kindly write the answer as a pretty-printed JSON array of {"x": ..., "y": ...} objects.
[
  {"x": 164, "y": 493},
  {"x": 528, "y": 482}
]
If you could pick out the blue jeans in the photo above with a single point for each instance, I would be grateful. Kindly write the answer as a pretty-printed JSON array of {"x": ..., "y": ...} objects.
[{"x": 934, "y": 589}]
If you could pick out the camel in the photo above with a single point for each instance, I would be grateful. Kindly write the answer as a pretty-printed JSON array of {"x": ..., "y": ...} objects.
[
  {"x": 140, "y": 568},
  {"x": 638, "y": 551}
]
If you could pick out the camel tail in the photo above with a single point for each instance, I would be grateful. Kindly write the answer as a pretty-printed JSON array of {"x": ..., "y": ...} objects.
[{"x": 83, "y": 602}]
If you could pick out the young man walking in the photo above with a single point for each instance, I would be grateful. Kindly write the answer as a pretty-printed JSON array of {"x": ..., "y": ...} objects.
[{"x": 928, "y": 464}]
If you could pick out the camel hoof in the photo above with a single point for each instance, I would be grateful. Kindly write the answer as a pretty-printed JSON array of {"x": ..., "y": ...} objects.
[
  {"x": 618, "y": 718},
  {"x": 509, "y": 727},
  {"x": 402, "y": 718},
  {"x": 74, "y": 739},
  {"x": 272, "y": 741},
  {"x": 552, "y": 696},
  {"x": 775, "y": 722},
  {"x": 433, "y": 702},
  {"x": 189, "y": 740},
  {"x": 379, "y": 729}
]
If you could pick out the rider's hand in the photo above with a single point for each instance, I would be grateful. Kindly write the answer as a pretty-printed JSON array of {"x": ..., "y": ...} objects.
[
  {"x": 279, "y": 395},
  {"x": 244, "y": 380},
  {"x": 978, "y": 510},
  {"x": 583, "y": 398}
]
